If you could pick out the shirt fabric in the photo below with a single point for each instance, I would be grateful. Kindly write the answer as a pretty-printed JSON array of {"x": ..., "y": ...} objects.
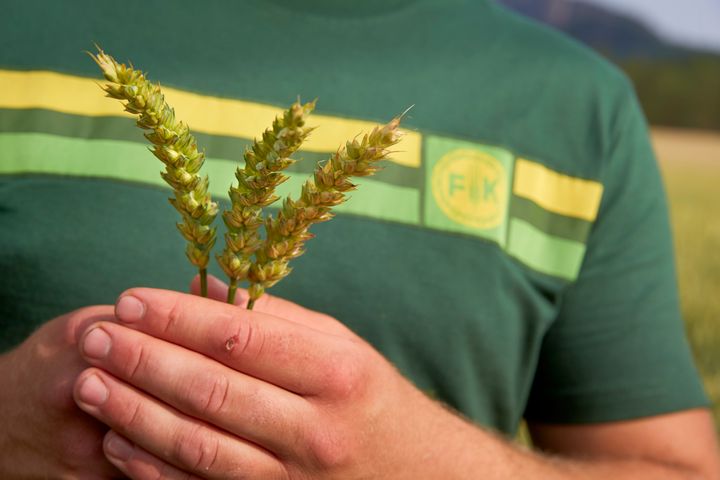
[{"x": 513, "y": 258}]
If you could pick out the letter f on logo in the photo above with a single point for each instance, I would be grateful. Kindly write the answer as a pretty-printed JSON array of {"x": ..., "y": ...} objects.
[{"x": 457, "y": 182}]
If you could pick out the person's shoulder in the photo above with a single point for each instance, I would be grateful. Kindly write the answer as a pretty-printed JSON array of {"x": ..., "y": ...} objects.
[{"x": 543, "y": 50}]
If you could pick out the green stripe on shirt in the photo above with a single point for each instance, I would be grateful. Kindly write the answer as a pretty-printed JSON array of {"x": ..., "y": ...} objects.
[
  {"x": 545, "y": 253},
  {"x": 51, "y": 154},
  {"x": 553, "y": 224},
  {"x": 215, "y": 146}
]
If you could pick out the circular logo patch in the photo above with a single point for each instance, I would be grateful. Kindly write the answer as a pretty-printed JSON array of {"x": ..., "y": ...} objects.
[{"x": 470, "y": 187}]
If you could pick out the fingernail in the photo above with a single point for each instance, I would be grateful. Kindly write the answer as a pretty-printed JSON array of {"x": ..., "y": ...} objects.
[
  {"x": 97, "y": 343},
  {"x": 93, "y": 391},
  {"x": 129, "y": 309},
  {"x": 118, "y": 448}
]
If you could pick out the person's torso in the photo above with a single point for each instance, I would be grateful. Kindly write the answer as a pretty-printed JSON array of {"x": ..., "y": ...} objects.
[{"x": 451, "y": 260}]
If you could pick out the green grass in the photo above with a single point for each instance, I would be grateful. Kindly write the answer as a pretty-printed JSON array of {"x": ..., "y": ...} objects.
[{"x": 691, "y": 169}]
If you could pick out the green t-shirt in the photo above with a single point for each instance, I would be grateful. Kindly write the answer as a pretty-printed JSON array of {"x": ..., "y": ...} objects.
[{"x": 514, "y": 257}]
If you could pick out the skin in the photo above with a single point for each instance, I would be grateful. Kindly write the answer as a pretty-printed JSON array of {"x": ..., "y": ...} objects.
[
  {"x": 191, "y": 393},
  {"x": 194, "y": 388},
  {"x": 43, "y": 434}
]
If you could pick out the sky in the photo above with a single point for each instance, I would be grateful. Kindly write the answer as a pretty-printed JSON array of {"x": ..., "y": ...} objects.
[{"x": 689, "y": 22}]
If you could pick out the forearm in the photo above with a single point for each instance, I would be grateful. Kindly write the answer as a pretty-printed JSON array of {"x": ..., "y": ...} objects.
[
  {"x": 532, "y": 465},
  {"x": 479, "y": 452},
  {"x": 620, "y": 469}
]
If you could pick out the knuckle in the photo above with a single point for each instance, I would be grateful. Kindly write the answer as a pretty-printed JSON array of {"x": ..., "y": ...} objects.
[
  {"x": 132, "y": 418},
  {"x": 196, "y": 449},
  {"x": 139, "y": 361},
  {"x": 347, "y": 373},
  {"x": 207, "y": 396},
  {"x": 174, "y": 316},
  {"x": 329, "y": 449},
  {"x": 248, "y": 340}
]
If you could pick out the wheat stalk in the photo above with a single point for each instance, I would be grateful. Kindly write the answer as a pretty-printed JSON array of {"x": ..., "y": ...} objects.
[
  {"x": 175, "y": 146},
  {"x": 257, "y": 181},
  {"x": 288, "y": 232}
]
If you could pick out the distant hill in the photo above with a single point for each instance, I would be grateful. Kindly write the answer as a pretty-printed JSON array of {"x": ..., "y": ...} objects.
[
  {"x": 613, "y": 34},
  {"x": 677, "y": 86}
]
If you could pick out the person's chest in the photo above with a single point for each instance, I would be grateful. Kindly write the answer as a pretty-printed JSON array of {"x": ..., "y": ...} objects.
[{"x": 455, "y": 314}]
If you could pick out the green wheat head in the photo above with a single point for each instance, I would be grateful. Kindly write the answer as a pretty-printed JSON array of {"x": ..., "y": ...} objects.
[
  {"x": 175, "y": 146},
  {"x": 287, "y": 234},
  {"x": 263, "y": 261},
  {"x": 257, "y": 180}
]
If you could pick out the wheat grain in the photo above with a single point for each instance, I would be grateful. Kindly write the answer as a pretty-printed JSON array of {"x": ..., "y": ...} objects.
[
  {"x": 288, "y": 232},
  {"x": 257, "y": 181},
  {"x": 176, "y": 147}
]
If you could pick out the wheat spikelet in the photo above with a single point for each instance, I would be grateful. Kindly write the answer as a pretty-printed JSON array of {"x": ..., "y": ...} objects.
[
  {"x": 257, "y": 181},
  {"x": 175, "y": 146},
  {"x": 286, "y": 234}
]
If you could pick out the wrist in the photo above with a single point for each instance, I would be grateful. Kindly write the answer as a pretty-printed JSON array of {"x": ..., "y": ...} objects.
[{"x": 454, "y": 448}]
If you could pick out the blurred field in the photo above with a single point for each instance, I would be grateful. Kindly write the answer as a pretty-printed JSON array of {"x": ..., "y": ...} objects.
[{"x": 690, "y": 162}]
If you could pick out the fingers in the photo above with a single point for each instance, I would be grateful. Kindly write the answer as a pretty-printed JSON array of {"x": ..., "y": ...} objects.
[
  {"x": 138, "y": 463},
  {"x": 44, "y": 433},
  {"x": 278, "y": 351},
  {"x": 279, "y": 307},
  {"x": 68, "y": 328},
  {"x": 199, "y": 387},
  {"x": 80, "y": 320},
  {"x": 188, "y": 444},
  {"x": 51, "y": 357}
]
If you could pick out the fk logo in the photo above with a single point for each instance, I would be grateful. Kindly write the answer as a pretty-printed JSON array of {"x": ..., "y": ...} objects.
[
  {"x": 477, "y": 192},
  {"x": 470, "y": 187}
]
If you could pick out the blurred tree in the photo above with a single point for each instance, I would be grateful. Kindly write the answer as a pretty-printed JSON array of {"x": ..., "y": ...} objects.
[
  {"x": 682, "y": 92},
  {"x": 677, "y": 86}
]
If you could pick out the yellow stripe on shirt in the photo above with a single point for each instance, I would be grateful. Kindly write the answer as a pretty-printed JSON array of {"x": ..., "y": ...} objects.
[
  {"x": 204, "y": 113},
  {"x": 556, "y": 192}
]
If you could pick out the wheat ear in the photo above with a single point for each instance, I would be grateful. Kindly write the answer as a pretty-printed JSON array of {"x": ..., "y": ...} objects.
[
  {"x": 257, "y": 180},
  {"x": 287, "y": 233},
  {"x": 175, "y": 146}
]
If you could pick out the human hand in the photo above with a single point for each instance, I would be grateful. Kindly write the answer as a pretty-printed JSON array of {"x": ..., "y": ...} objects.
[
  {"x": 43, "y": 434},
  {"x": 194, "y": 386}
]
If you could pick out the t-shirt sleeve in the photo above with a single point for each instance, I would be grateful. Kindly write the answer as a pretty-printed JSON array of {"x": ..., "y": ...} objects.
[{"x": 618, "y": 348}]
